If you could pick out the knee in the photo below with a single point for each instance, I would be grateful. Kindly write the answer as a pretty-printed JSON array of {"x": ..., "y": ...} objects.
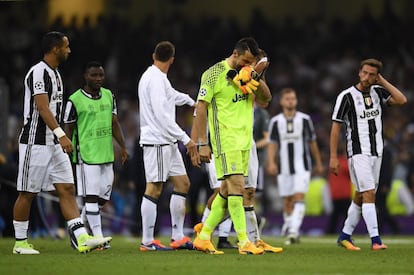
[
  {"x": 153, "y": 190},
  {"x": 65, "y": 189},
  {"x": 248, "y": 196},
  {"x": 368, "y": 196}
]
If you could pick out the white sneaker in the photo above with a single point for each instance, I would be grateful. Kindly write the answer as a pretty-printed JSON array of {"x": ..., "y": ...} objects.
[
  {"x": 23, "y": 247},
  {"x": 292, "y": 239},
  {"x": 87, "y": 243},
  {"x": 285, "y": 229}
]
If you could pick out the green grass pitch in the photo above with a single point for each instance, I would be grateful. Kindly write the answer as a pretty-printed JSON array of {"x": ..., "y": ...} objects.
[{"x": 314, "y": 255}]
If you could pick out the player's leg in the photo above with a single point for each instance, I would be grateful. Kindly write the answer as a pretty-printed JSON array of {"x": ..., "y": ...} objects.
[
  {"x": 296, "y": 218},
  {"x": 181, "y": 183},
  {"x": 33, "y": 161},
  {"x": 301, "y": 186},
  {"x": 156, "y": 173},
  {"x": 354, "y": 210},
  {"x": 369, "y": 212},
  {"x": 285, "y": 184},
  {"x": 88, "y": 186},
  {"x": 224, "y": 226}
]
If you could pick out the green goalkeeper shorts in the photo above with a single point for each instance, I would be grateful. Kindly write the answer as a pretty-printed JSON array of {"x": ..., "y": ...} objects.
[{"x": 232, "y": 163}]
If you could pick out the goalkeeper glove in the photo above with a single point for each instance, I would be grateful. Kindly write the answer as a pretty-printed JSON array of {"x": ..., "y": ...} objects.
[
  {"x": 244, "y": 80},
  {"x": 249, "y": 80}
]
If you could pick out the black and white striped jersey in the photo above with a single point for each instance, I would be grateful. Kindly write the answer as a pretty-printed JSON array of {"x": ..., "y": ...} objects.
[
  {"x": 362, "y": 114},
  {"x": 293, "y": 137},
  {"x": 41, "y": 79}
]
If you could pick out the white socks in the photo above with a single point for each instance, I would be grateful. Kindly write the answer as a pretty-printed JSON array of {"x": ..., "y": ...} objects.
[
  {"x": 251, "y": 224},
  {"x": 76, "y": 226},
  {"x": 94, "y": 218},
  {"x": 224, "y": 227},
  {"x": 352, "y": 219},
  {"x": 369, "y": 213},
  {"x": 177, "y": 210},
  {"x": 20, "y": 230},
  {"x": 206, "y": 212},
  {"x": 297, "y": 218},
  {"x": 149, "y": 215}
]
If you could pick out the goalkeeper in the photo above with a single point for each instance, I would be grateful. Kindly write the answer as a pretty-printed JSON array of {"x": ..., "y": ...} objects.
[{"x": 226, "y": 95}]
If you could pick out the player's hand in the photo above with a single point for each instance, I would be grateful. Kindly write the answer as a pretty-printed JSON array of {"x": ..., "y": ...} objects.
[
  {"x": 261, "y": 66},
  {"x": 272, "y": 168},
  {"x": 124, "y": 155},
  {"x": 66, "y": 144},
  {"x": 249, "y": 79},
  {"x": 244, "y": 80},
  {"x": 192, "y": 151},
  {"x": 319, "y": 169},
  {"x": 205, "y": 153},
  {"x": 334, "y": 165}
]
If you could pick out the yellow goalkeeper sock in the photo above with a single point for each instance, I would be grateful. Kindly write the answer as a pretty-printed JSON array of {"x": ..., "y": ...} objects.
[
  {"x": 218, "y": 209},
  {"x": 238, "y": 217}
]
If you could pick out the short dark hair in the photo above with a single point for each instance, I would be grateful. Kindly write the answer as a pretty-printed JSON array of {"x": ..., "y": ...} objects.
[
  {"x": 92, "y": 64},
  {"x": 164, "y": 51},
  {"x": 372, "y": 62},
  {"x": 247, "y": 44},
  {"x": 51, "y": 40},
  {"x": 287, "y": 90}
]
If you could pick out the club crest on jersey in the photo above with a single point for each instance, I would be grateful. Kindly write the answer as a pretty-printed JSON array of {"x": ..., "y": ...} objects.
[
  {"x": 202, "y": 92},
  {"x": 368, "y": 101}
]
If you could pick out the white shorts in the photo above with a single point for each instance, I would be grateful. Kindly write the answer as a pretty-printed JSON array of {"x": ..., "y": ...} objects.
[
  {"x": 364, "y": 171},
  {"x": 212, "y": 177},
  {"x": 95, "y": 180},
  {"x": 293, "y": 183},
  {"x": 251, "y": 179},
  {"x": 162, "y": 162},
  {"x": 41, "y": 166}
]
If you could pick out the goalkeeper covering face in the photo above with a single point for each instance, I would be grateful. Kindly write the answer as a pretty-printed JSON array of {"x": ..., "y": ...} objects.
[{"x": 226, "y": 98}]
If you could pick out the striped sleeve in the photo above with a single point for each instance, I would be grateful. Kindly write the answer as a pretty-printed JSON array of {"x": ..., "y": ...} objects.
[
  {"x": 274, "y": 131},
  {"x": 341, "y": 108},
  {"x": 309, "y": 128}
]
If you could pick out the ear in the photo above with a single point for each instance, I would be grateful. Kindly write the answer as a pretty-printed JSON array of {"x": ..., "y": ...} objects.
[{"x": 235, "y": 53}]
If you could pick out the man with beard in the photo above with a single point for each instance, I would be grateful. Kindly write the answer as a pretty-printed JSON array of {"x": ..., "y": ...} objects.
[{"x": 360, "y": 107}]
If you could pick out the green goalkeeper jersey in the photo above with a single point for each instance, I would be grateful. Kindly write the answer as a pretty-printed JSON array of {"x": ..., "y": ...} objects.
[{"x": 230, "y": 112}]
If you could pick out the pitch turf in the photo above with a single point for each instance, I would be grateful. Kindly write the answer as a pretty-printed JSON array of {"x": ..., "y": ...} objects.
[{"x": 316, "y": 255}]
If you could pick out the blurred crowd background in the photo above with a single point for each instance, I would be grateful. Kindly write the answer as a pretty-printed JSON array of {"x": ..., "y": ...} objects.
[{"x": 310, "y": 49}]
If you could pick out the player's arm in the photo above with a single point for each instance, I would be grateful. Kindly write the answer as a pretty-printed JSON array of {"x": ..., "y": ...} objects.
[
  {"x": 272, "y": 166},
  {"x": 42, "y": 103},
  {"x": 397, "y": 97},
  {"x": 262, "y": 94},
  {"x": 119, "y": 137},
  {"x": 200, "y": 133},
  {"x": 182, "y": 98},
  {"x": 334, "y": 140},
  {"x": 313, "y": 145},
  {"x": 69, "y": 118},
  {"x": 263, "y": 142}
]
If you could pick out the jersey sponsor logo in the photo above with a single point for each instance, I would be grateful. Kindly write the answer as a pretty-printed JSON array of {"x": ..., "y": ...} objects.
[
  {"x": 369, "y": 114},
  {"x": 291, "y": 137},
  {"x": 239, "y": 97},
  {"x": 202, "y": 92},
  {"x": 57, "y": 97}
]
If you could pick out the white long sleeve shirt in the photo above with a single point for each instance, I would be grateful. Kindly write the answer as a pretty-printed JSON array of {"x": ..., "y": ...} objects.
[{"x": 157, "y": 101}]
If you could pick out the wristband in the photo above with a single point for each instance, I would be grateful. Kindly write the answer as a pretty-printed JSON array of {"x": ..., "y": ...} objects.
[
  {"x": 202, "y": 144},
  {"x": 59, "y": 132}
]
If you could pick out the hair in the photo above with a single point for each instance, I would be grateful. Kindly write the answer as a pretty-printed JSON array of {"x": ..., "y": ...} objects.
[
  {"x": 164, "y": 51},
  {"x": 372, "y": 62},
  {"x": 247, "y": 44},
  {"x": 92, "y": 64},
  {"x": 51, "y": 40},
  {"x": 288, "y": 90}
]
